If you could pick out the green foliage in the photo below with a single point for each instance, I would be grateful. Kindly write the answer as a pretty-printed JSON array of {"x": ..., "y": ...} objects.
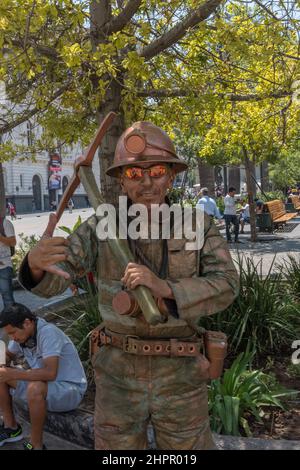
[
  {"x": 264, "y": 315},
  {"x": 26, "y": 243},
  {"x": 79, "y": 320},
  {"x": 290, "y": 269},
  {"x": 286, "y": 171},
  {"x": 293, "y": 370},
  {"x": 242, "y": 392},
  {"x": 220, "y": 204},
  {"x": 175, "y": 195},
  {"x": 68, "y": 230},
  {"x": 272, "y": 195}
]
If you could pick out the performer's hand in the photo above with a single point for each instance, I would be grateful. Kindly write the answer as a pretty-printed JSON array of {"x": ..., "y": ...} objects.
[
  {"x": 138, "y": 274},
  {"x": 47, "y": 252}
]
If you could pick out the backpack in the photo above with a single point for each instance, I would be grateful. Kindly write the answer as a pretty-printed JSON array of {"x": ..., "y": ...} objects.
[{"x": 2, "y": 232}]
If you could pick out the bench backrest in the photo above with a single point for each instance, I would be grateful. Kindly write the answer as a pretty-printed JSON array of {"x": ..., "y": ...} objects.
[
  {"x": 295, "y": 199},
  {"x": 275, "y": 208}
]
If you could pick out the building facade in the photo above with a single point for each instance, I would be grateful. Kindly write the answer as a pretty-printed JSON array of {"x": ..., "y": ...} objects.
[{"x": 33, "y": 186}]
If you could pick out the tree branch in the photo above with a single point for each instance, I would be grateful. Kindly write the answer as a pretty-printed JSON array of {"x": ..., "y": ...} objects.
[
  {"x": 261, "y": 5},
  {"x": 8, "y": 126},
  {"x": 28, "y": 23},
  {"x": 180, "y": 29},
  {"x": 118, "y": 22},
  {"x": 43, "y": 50},
  {"x": 177, "y": 93}
]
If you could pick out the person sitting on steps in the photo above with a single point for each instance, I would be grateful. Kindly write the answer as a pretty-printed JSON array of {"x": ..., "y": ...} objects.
[{"x": 55, "y": 381}]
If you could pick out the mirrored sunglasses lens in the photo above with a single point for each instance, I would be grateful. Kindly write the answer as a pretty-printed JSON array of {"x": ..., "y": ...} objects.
[
  {"x": 157, "y": 171},
  {"x": 133, "y": 173}
]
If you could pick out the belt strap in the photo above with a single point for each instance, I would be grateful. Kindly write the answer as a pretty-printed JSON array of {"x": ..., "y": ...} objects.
[{"x": 149, "y": 347}]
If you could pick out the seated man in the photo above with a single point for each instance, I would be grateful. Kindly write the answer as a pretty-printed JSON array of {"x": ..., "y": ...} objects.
[
  {"x": 259, "y": 204},
  {"x": 55, "y": 381},
  {"x": 245, "y": 215}
]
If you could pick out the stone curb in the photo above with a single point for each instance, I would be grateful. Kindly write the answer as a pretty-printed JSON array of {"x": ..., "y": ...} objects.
[
  {"x": 78, "y": 427},
  {"x": 75, "y": 426}
]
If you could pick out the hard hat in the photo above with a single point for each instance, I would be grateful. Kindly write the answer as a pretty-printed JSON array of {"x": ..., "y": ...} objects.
[{"x": 144, "y": 142}]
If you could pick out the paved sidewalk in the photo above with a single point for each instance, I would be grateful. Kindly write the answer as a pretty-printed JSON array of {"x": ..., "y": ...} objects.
[
  {"x": 280, "y": 245},
  {"x": 29, "y": 224}
]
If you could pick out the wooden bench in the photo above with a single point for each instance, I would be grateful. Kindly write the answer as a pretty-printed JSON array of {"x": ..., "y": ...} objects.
[
  {"x": 277, "y": 212},
  {"x": 296, "y": 201}
]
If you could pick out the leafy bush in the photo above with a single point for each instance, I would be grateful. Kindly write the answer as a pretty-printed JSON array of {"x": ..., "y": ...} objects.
[
  {"x": 293, "y": 370},
  {"x": 291, "y": 271},
  {"x": 175, "y": 195},
  {"x": 27, "y": 242},
  {"x": 78, "y": 321},
  {"x": 264, "y": 315},
  {"x": 271, "y": 195},
  {"x": 220, "y": 204},
  {"x": 68, "y": 230},
  {"x": 239, "y": 392}
]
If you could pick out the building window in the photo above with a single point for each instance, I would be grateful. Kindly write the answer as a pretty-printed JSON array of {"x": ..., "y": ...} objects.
[
  {"x": 29, "y": 134},
  {"x": 21, "y": 181}
]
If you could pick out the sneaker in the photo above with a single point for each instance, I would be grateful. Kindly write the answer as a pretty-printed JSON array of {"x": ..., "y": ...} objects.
[
  {"x": 10, "y": 435},
  {"x": 28, "y": 446}
]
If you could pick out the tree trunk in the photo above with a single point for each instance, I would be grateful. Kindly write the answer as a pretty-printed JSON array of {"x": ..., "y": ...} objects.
[
  {"x": 207, "y": 176},
  {"x": 109, "y": 188},
  {"x": 2, "y": 193},
  {"x": 250, "y": 189},
  {"x": 264, "y": 171},
  {"x": 234, "y": 177},
  {"x": 100, "y": 15},
  {"x": 225, "y": 179}
]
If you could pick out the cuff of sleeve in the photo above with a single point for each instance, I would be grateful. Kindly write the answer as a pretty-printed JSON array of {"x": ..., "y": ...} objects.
[
  {"x": 179, "y": 294},
  {"x": 48, "y": 286},
  {"x": 185, "y": 307},
  {"x": 24, "y": 276}
]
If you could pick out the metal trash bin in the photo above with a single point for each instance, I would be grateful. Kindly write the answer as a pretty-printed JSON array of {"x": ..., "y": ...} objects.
[{"x": 264, "y": 222}]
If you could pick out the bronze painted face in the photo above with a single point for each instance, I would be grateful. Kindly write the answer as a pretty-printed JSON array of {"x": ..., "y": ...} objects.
[{"x": 146, "y": 183}]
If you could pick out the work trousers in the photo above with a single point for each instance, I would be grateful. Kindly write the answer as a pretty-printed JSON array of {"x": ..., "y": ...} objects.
[{"x": 169, "y": 392}]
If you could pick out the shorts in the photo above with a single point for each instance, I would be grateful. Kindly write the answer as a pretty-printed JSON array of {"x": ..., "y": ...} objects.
[
  {"x": 246, "y": 220},
  {"x": 61, "y": 396}
]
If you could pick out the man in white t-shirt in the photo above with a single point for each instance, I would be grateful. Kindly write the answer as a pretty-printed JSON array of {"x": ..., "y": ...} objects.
[
  {"x": 230, "y": 215},
  {"x": 7, "y": 240}
]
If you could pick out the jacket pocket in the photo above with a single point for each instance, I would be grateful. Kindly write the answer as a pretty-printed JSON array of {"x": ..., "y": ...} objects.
[{"x": 182, "y": 262}]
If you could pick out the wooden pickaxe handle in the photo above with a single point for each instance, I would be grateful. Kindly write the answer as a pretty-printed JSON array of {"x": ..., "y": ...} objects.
[{"x": 85, "y": 160}]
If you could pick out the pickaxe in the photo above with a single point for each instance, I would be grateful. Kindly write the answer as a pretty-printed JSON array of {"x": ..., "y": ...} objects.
[{"x": 83, "y": 173}]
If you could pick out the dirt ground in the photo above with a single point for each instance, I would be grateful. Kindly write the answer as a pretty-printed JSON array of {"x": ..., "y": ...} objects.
[{"x": 281, "y": 424}]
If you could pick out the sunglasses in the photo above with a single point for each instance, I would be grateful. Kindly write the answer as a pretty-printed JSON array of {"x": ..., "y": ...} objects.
[{"x": 137, "y": 173}]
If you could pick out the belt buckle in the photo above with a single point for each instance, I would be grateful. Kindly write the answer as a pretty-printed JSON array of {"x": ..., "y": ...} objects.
[
  {"x": 126, "y": 343},
  {"x": 104, "y": 337}
]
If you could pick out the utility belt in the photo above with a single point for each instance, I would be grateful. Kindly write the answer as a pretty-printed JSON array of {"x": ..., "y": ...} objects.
[
  {"x": 146, "y": 346},
  {"x": 213, "y": 345}
]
